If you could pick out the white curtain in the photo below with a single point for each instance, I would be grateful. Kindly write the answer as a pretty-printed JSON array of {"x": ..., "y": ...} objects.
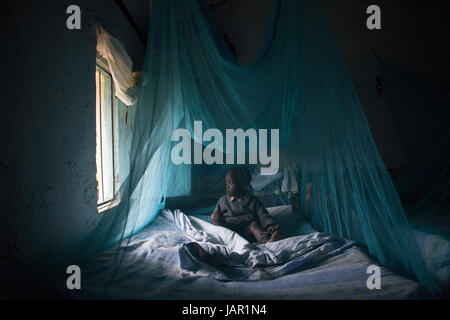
[{"x": 120, "y": 65}]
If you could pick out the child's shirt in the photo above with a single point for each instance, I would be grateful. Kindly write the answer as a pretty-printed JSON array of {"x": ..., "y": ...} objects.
[{"x": 235, "y": 213}]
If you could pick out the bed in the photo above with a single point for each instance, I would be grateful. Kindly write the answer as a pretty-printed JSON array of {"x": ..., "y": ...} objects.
[{"x": 153, "y": 265}]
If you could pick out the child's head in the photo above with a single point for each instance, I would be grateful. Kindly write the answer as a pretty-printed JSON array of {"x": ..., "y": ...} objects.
[{"x": 237, "y": 182}]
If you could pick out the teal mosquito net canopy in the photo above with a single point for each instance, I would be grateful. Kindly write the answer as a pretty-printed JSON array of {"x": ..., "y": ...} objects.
[
  {"x": 299, "y": 85},
  {"x": 422, "y": 113}
]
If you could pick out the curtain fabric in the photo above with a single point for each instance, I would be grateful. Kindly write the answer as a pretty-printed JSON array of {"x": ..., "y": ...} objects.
[{"x": 120, "y": 65}]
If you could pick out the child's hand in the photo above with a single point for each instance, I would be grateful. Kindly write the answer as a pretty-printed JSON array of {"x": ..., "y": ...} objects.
[{"x": 274, "y": 227}]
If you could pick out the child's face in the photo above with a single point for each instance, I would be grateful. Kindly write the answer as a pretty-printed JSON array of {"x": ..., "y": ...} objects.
[
  {"x": 230, "y": 185},
  {"x": 233, "y": 186}
]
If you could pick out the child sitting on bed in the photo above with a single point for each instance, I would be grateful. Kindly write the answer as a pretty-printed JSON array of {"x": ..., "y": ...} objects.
[{"x": 242, "y": 212}]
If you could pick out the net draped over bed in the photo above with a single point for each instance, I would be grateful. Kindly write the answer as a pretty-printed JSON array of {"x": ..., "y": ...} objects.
[
  {"x": 422, "y": 113},
  {"x": 299, "y": 85}
]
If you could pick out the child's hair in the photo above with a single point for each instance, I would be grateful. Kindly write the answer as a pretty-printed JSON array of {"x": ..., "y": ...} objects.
[{"x": 243, "y": 175}]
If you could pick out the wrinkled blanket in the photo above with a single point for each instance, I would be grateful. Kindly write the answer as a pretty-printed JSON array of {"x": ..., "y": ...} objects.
[{"x": 239, "y": 260}]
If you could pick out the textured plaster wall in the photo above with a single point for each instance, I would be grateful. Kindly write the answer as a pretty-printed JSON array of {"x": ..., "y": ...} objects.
[
  {"x": 412, "y": 38},
  {"x": 47, "y": 150}
]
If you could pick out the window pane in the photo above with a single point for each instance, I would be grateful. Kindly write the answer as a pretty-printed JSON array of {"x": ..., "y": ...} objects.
[
  {"x": 107, "y": 136},
  {"x": 99, "y": 137}
]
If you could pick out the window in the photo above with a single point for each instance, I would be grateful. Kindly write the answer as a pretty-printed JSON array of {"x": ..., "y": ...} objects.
[{"x": 107, "y": 136}]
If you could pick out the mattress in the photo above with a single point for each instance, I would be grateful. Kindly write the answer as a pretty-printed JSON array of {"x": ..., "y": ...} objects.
[{"x": 147, "y": 266}]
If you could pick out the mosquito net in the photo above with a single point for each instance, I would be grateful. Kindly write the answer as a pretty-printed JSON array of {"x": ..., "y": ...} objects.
[
  {"x": 421, "y": 112},
  {"x": 299, "y": 85}
]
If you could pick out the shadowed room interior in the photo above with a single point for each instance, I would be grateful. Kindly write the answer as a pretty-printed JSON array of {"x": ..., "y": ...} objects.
[{"x": 75, "y": 146}]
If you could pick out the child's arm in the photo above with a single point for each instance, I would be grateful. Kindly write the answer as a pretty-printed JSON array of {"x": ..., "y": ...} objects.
[
  {"x": 265, "y": 219},
  {"x": 217, "y": 219}
]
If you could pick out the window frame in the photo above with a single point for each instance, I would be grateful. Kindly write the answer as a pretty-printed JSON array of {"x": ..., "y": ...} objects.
[{"x": 103, "y": 206}]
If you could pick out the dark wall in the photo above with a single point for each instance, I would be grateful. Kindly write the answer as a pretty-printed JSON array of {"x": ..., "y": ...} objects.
[
  {"x": 47, "y": 150},
  {"x": 410, "y": 53}
]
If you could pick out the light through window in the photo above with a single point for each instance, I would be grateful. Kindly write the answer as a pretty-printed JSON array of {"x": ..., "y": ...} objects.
[{"x": 105, "y": 153}]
